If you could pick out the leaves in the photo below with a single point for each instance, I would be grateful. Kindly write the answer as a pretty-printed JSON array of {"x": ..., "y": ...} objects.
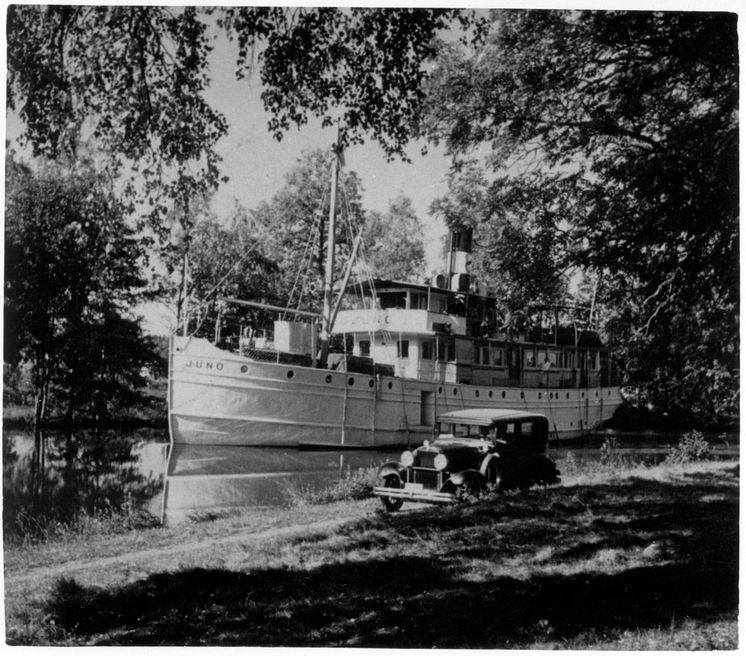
[
  {"x": 395, "y": 243},
  {"x": 71, "y": 272},
  {"x": 612, "y": 149}
]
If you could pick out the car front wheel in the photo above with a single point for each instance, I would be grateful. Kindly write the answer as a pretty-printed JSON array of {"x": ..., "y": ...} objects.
[{"x": 392, "y": 504}]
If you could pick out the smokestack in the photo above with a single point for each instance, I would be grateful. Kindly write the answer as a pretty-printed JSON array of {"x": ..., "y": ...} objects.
[{"x": 459, "y": 258}]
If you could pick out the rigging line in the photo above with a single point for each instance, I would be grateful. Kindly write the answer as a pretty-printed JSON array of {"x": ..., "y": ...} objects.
[
  {"x": 224, "y": 278},
  {"x": 304, "y": 267}
]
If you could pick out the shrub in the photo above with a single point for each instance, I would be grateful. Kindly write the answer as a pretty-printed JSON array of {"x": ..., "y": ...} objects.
[
  {"x": 693, "y": 446},
  {"x": 610, "y": 456},
  {"x": 354, "y": 485}
]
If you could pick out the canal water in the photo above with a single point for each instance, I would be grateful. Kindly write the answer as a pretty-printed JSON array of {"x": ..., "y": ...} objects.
[{"x": 94, "y": 470}]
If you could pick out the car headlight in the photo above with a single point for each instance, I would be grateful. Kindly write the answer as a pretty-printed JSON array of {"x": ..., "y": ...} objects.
[
  {"x": 440, "y": 462},
  {"x": 407, "y": 458}
]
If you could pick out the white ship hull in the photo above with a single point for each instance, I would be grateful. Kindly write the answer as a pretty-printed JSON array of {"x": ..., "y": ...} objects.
[{"x": 216, "y": 397}]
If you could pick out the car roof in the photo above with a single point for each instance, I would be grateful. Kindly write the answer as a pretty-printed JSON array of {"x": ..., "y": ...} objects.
[{"x": 485, "y": 416}]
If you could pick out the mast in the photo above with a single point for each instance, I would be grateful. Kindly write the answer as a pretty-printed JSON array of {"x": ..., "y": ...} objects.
[
  {"x": 185, "y": 301},
  {"x": 326, "y": 318}
]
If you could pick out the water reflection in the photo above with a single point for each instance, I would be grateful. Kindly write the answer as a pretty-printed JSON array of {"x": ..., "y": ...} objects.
[
  {"x": 203, "y": 480},
  {"x": 209, "y": 479},
  {"x": 55, "y": 475}
]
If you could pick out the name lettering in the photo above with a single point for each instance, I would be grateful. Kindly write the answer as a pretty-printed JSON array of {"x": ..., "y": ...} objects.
[{"x": 205, "y": 364}]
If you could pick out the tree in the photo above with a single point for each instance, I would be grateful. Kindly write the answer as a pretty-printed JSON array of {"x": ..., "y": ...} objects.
[
  {"x": 134, "y": 78},
  {"x": 394, "y": 242},
  {"x": 629, "y": 118},
  {"x": 294, "y": 227},
  {"x": 71, "y": 268},
  {"x": 228, "y": 260}
]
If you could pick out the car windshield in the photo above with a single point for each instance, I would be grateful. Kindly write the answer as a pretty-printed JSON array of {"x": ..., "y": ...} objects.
[{"x": 498, "y": 431}]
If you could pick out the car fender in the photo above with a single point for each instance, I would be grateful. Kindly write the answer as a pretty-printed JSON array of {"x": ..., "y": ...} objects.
[
  {"x": 467, "y": 476},
  {"x": 390, "y": 468},
  {"x": 490, "y": 457}
]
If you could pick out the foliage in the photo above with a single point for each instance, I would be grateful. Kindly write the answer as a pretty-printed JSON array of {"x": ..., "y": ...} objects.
[
  {"x": 394, "y": 242},
  {"x": 134, "y": 79},
  {"x": 71, "y": 270},
  {"x": 227, "y": 259},
  {"x": 354, "y": 485},
  {"x": 613, "y": 149},
  {"x": 292, "y": 227},
  {"x": 693, "y": 446}
]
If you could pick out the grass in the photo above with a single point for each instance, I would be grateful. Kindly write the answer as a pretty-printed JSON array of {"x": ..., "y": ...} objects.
[{"x": 644, "y": 559}]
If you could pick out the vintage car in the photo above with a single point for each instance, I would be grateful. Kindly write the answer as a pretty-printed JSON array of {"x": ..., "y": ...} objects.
[{"x": 473, "y": 451}]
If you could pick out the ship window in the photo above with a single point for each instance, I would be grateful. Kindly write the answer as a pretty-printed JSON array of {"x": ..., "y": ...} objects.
[
  {"x": 418, "y": 301},
  {"x": 427, "y": 350},
  {"x": 497, "y": 357},
  {"x": 393, "y": 300},
  {"x": 364, "y": 347},
  {"x": 451, "y": 351},
  {"x": 402, "y": 348},
  {"x": 530, "y": 359},
  {"x": 476, "y": 355},
  {"x": 441, "y": 351}
]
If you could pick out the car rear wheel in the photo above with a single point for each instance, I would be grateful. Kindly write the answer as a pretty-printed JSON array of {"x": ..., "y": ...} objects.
[{"x": 392, "y": 504}]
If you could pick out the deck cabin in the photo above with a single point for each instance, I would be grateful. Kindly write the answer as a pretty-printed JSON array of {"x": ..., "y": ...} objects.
[{"x": 433, "y": 333}]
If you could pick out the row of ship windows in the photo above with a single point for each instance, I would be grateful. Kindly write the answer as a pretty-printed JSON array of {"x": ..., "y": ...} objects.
[{"x": 490, "y": 394}]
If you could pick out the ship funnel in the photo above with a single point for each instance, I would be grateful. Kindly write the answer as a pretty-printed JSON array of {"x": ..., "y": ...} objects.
[{"x": 459, "y": 258}]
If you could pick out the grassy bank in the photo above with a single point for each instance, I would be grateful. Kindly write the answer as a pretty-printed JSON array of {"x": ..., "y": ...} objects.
[{"x": 645, "y": 558}]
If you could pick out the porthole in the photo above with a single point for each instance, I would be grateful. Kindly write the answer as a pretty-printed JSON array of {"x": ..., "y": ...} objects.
[
  {"x": 539, "y": 394},
  {"x": 440, "y": 390},
  {"x": 476, "y": 393},
  {"x": 291, "y": 373},
  {"x": 582, "y": 395},
  {"x": 329, "y": 378},
  {"x": 244, "y": 369},
  {"x": 596, "y": 394},
  {"x": 572, "y": 423},
  {"x": 523, "y": 395},
  {"x": 371, "y": 383},
  {"x": 608, "y": 393},
  {"x": 568, "y": 395},
  {"x": 350, "y": 381},
  {"x": 390, "y": 385},
  {"x": 503, "y": 394},
  {"x": 490, "y": 394}
]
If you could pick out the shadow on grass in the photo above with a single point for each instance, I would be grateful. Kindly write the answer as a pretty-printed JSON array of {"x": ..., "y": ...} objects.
[{"x": 504, "y": 572}]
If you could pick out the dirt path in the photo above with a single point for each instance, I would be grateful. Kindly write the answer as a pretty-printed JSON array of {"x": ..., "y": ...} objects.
[{"x": 167, "y": 551}]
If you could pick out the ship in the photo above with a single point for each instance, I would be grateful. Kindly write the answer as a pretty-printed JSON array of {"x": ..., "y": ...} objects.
[{"x": 375, "y": 370}]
